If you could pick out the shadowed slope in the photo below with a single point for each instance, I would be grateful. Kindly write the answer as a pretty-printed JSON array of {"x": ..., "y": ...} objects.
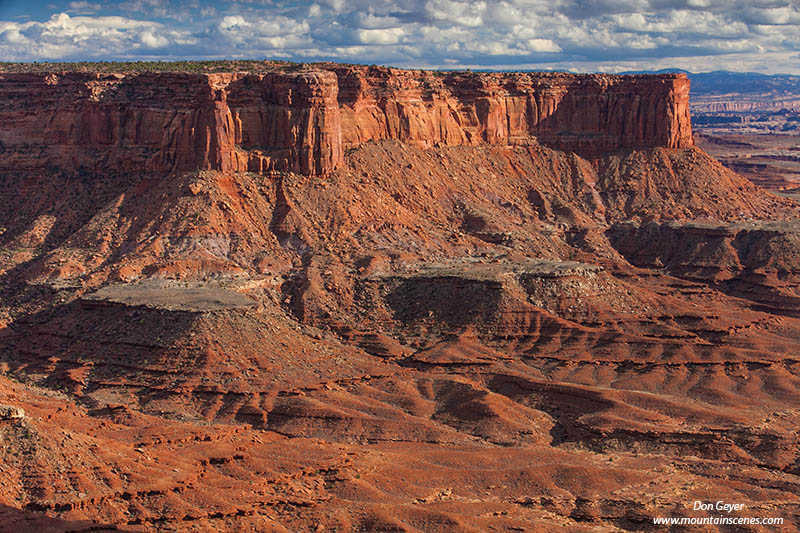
[{"x": 454, "y": 338}]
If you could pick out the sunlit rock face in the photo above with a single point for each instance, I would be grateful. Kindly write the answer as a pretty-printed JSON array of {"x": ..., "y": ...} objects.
[{"x": 303, "y": 121}]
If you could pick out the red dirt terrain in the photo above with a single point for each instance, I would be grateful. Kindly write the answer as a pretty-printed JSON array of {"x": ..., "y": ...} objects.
[
  {"x": 338, "y": 298},
  {"x": 771, "y": 161}
]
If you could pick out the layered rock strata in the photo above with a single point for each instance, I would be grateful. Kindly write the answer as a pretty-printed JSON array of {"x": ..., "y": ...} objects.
[{"x": 304, "y": 120}]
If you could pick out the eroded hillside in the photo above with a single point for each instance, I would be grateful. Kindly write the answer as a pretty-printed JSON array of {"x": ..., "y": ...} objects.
[{"x": 346, "y": 298}]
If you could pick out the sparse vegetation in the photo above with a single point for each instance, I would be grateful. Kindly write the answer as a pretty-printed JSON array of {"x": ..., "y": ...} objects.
[
  {"x": 206, "y": 66},
  {"x": 153, "y": 66}
]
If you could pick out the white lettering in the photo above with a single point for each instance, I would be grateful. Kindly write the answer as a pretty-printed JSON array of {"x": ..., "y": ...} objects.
[{"x": 729, "y": 507}]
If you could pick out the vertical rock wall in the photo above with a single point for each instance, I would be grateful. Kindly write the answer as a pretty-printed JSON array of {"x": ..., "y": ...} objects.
[{"x": 303, "y": 121}]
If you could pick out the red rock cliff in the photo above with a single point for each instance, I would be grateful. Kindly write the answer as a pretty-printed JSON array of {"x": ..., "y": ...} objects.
[{"x": 303, "y": 121}]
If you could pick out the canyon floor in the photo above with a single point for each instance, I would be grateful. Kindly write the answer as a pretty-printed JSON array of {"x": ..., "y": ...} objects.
[
  {"x": 770, "y": 160},
  {"x": 467, "y": 338}
]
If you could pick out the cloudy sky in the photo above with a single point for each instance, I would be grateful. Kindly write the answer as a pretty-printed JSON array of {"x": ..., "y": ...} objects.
[{"x": 583, "y": 35}]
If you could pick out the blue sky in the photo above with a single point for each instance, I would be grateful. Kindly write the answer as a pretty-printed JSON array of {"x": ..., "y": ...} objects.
[{"x": 579, "y": 35}]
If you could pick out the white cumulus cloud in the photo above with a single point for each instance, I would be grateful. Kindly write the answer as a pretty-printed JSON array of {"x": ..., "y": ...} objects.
[{"x": 569, "y": 34}]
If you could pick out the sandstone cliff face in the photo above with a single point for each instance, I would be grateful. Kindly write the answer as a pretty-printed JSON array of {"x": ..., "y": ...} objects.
[
  {"x": 171, "y": 122},
  {"x": 588, "y": 114},
  {"x": 303, "y": 121}
]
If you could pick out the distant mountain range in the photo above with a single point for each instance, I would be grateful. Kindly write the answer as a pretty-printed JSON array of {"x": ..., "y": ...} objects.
[{"x": 745, "y": 83}]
